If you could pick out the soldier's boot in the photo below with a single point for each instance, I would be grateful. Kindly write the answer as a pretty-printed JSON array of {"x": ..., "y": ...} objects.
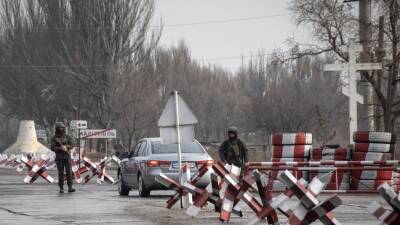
[
  {"x": 61, "y": 190},
  {"x": 70, "y": 189}
]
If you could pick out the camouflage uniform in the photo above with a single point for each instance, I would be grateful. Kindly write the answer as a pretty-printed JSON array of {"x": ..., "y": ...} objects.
[
  {"x": 233, "y": 151},
  {"x": 119, "y": 149},
  {"x": 62, "y": 157}
]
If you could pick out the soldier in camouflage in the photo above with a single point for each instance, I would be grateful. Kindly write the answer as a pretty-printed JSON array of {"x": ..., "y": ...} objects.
[
  {"x": 61, "y": 144},
  {"x": 233, "y": 151}
]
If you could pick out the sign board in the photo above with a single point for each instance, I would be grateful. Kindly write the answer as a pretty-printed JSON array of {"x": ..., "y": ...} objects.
[
  {"x": 176, "y": 114},
  {"x": 41, "y": 134},
  {"x": 78, "y": 124},
  {"x": 99, "y": 133}
]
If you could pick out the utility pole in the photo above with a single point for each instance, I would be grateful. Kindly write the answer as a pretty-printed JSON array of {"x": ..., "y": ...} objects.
[
  {"x": 389, "y": 97},
  {"x": 365, "y": 33},
  {"x": 380, "y": 53}
]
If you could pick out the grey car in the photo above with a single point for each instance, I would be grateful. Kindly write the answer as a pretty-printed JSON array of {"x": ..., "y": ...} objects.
[{"x": 149, "y": 158}]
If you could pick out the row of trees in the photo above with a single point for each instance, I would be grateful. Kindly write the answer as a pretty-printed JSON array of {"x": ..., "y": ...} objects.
[{"x": 99, "y": 61}]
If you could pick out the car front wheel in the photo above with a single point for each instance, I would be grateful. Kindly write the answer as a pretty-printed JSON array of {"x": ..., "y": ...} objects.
[
  {"x": 123, "y": 190},
  {"x": 143, "y": 191}
]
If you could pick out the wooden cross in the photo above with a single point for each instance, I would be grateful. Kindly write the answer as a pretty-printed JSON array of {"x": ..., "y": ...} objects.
[{"x": 351, "y": 91}]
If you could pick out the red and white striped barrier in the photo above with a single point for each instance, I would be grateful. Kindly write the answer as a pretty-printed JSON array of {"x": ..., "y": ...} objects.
[
  {"x": 229, "y": 197},
  {"x": 278, "y": 203},
  {"x": 274, "y": 173},
  {"x": 374, "y": 137},
  {"x": 310, "y": 208},
  {"x": 192, "y": 181},
  {"x": 202, "y": 197},
  {"x": 10, "y": 161},
  {"x": 330, "y": 177},
  {"x": 13, "y": 161},
  {"x": 374, "y": 147},
  {"x": 210, "y": 194},
  {"x": 266, "y": 210},
  {"x": 367, "y": 185},
  {"x": 187, "y": 200},
  {"x": 327, "y": 153},
  {"x": 291, "y": 151},
  {"x": 75, "y": 171},
  {"x": 3, "y": 160},
  {"x": 50, "y": 163},
  {"x": 292, "y": 139},
  {"x": 21, "y": 166},
  {"x": 289, "y": 160},
  {"x": 180, "y": 190},
  {"x": 386, "y": 216},
  {"x": 371, "y": 146},
  {"x": 291, "y": 147},
  {"x": 371, "y": 156},
  {"x": 323, "y": 162},
  {"x": 335, "y": 180},
  {"x": 326, "y": 163},
  {"x": 96, "y": 169},
  {"x": 372, "y": 174},
  {"x": 265, "y": 196},
  {"x": 237, "y": 191},
  {"x": 35, "y": 170},
  {"x": 276, "y": 185},
  {"x": 173, "y": 185}
]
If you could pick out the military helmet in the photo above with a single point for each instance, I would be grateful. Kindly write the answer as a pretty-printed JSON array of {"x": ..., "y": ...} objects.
[
  {"x": 60, "y": 125},
  {"x": 233, "y": 130}
]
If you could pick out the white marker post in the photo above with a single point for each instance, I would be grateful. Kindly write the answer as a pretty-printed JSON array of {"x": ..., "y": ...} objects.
[
  {"x": 178, "y": 135},
  {"x": 79, "y": 124},
  {"x": 352, "y": 67},
  {"x": 176, "y": 125}
]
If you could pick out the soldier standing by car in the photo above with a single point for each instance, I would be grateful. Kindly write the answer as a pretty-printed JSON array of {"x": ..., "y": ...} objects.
[
  {"x": 119, "y": 149},
  {"x": 233, "y": 151},
  {"x": 61, "y": 144}
]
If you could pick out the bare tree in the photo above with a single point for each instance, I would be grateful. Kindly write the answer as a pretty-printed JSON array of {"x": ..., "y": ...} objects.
[
  {"x": 60, "y": 48},
  {"x": 332, "y": 24}
]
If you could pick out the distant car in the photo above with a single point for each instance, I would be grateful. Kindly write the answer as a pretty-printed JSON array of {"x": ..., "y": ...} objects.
[{"x": 149, "y": 158}]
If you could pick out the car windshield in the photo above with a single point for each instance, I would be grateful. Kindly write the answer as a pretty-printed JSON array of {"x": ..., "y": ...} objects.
[{"x": 158, "y": 148}]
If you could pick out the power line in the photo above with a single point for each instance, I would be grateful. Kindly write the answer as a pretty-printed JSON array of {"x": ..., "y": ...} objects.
[
  {"x": 48, "y": 66},
  {"x": 233, "y": 57},
  {"x": 226, "y": 20},
  {"x": 185, "y": 24}
]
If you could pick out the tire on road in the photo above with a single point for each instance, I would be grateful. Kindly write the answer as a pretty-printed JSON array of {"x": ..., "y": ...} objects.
[
  {"x": 123, "y": 190},
  {"x": 143, "y": 191}
]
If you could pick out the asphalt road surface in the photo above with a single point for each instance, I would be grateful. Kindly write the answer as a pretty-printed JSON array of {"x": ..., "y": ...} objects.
[{"x": 40, "y": 203}]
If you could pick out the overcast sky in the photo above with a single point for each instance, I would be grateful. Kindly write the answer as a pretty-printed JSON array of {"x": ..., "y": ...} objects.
[{"x": 210, "y": 42}]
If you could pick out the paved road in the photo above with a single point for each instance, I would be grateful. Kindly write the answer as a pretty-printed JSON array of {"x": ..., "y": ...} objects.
[{"x": 40, "y": 203}]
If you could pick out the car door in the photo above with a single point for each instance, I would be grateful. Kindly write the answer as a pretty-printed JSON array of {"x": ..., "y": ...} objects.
[
  {"x": 124, "y": 166},
  {"x": 139, "y": 159},
  {"x": 130, "y": 166}
]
